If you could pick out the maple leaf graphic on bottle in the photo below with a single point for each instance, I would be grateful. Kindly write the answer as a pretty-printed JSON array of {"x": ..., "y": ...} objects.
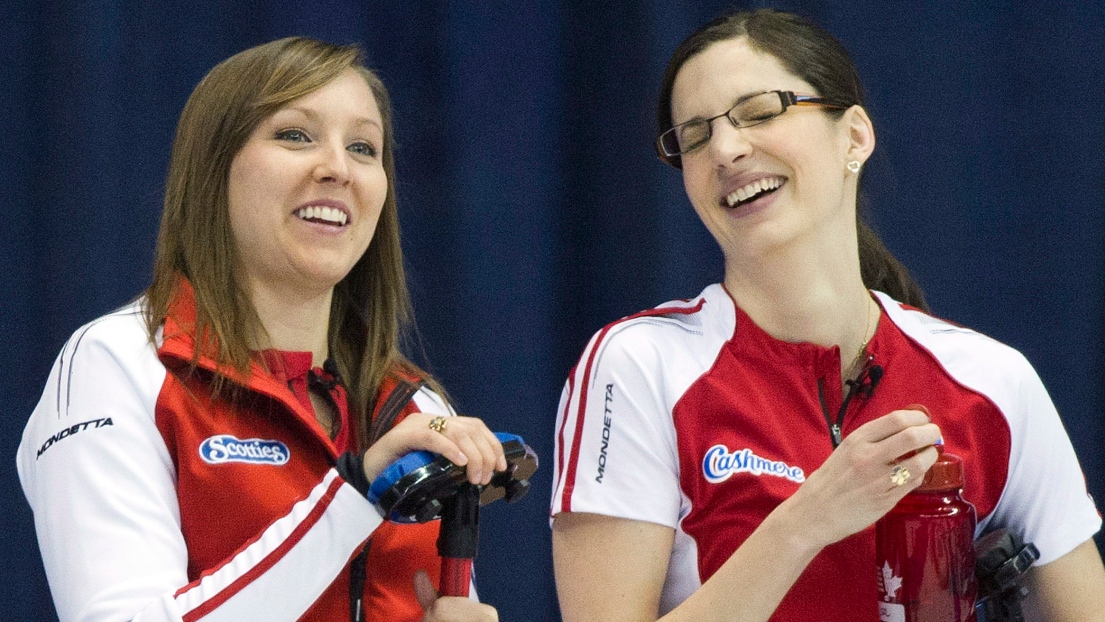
[{"x": 888, "y": 582}]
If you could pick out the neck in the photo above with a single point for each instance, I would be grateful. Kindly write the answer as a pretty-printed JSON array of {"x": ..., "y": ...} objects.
[
  {"x": 807, "y": 293},
  {"x": 294, "y": 320}
]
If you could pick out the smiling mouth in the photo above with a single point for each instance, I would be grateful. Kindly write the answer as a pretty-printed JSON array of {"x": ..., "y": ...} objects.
[
  {"x": 323, "y": 215},
  {"x": 753, "y": 191}
]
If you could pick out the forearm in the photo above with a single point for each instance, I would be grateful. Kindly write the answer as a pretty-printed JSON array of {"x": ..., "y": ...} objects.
[
  {"x": 109, "y": 517},
  {"x": 1069, "y": 589},
  {"x": 614, "y": 570},
  {"x": 104, "y": 567},
  {"x": 753, "y": 581}
]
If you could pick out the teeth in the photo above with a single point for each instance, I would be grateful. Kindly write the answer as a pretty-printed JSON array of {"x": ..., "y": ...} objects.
[
  {"x": 752, "y": 189},
  {"x": 325, "y": 214}
]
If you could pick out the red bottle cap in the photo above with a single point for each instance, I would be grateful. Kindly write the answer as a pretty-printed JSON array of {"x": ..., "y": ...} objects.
[{"x": 946, "y": 473}]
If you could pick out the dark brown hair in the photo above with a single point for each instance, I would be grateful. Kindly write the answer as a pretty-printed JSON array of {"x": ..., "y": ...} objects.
[
  {"x": 371, "y": 305},
  {"x": 811, "y": 53}
]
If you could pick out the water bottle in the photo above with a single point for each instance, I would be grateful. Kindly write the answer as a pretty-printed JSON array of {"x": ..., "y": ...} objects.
[{"x": 924, "y": 550}]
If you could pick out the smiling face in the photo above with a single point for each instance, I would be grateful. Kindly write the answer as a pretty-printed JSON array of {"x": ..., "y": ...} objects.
[
  {"x": 307, "y": 188},
  {"x": 774, "y": 184}
]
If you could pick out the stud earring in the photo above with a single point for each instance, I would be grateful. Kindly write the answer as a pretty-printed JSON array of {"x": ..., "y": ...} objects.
[{"x": 854, "y": 166}]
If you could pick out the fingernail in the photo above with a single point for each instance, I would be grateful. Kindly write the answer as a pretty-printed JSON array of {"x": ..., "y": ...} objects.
[{"x": 920, "y": 407}]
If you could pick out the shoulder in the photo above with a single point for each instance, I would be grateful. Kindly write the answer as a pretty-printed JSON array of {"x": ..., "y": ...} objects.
[
  {"x": 654, "y": 356},
  {"x": 970, "y": 357},
  {"x": 101, "y": 393},
  {"x": 671, "y": 332},
  {"x": 949, "y": 340},
  {"x": 104, "y": 353},
  {"x": 121, "y": 334},
  {"x": 121, "y": 329}
]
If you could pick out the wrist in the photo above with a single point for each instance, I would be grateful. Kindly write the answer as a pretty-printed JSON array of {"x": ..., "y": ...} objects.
[
  {"x": 793, "y": 529},
  {"x": 351, "y": 469},
  {"x": 373, "y": 463}
]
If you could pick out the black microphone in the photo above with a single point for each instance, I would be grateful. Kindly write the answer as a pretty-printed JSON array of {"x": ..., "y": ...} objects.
[
  {"x": 873, "y": 376},
  {"x": 327, "y": 384}
]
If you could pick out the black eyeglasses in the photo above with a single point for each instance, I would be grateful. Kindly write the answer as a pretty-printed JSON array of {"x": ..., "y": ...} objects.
[{"x": 748, "y": 111}]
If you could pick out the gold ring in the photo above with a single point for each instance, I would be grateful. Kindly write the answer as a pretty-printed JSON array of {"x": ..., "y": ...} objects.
[
  {"x": 437, "y": 424},
  {"x": 899, "y": 475}
]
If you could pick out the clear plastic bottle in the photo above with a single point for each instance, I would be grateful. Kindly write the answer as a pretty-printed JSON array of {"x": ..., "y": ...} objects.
[{"x": 924, "y": 551}]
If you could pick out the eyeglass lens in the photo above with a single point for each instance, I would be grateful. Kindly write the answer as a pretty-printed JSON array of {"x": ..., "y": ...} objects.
[{"x": 752, "y": 111}]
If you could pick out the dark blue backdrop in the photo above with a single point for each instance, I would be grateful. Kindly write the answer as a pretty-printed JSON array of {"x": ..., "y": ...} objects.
[{"x": 533, "y": 209}]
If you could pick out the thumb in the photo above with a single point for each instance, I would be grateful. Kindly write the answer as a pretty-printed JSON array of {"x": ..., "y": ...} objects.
[{"x": 424, "y": 590}]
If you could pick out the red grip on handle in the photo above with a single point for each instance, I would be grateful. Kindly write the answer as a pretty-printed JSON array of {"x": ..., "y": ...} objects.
[{"x": 456, "y": 576}]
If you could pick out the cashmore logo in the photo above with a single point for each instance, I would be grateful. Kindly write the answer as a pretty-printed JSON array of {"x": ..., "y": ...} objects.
[
  {"x": 719, "y": 464},
  {"x": 225, "y": 448}
]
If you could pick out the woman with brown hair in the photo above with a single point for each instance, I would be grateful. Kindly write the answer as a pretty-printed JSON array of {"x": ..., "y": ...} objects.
[
  {"x": 204, "y": 453},
  {"x": 724, "y": 457}
]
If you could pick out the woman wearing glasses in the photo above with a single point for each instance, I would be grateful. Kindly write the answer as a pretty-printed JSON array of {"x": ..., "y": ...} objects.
[{"x": 723, "y": 457}]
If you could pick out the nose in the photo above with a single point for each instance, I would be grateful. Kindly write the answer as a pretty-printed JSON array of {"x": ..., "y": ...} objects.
[
  {"x": 332, "y": 165},
  {"x": 728, "y": 142}
]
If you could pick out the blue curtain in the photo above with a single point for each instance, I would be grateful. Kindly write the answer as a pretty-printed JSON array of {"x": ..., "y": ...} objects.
[{"x": 533, "y": 209}]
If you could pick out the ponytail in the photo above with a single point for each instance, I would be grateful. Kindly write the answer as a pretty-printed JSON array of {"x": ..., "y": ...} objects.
[{"x": 883, "y": 272}]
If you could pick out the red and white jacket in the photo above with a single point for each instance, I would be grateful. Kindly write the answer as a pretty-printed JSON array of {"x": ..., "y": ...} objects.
[
  {"x": 691, "y": 416},
  {"x": 155, "y": 502}
]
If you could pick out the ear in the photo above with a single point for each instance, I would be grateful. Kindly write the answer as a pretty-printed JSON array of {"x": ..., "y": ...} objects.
[{"x": 861, "y": 134}]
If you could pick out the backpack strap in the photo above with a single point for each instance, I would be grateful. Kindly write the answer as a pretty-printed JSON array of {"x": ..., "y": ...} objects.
[
  {"x": 396, "y": 401},
  {"x": 400, "y": 395}
]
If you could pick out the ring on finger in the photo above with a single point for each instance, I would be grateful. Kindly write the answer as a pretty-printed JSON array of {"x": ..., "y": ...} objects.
[
  {"x": 899, "y": 475},
  {"x": 437, "y": 424}
]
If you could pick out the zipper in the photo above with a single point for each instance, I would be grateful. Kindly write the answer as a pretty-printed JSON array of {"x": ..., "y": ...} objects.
[
  {"x": 836, "y": 426},
  {"x": 358, "y": 571}
]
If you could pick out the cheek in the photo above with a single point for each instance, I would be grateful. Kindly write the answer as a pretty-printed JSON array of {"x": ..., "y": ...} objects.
[
  {"x": 698, "y": 181},
  {"x": 238, "y": 207},
  {"x": 701, "y": 188},
  {"x": 247, "y": 195},
  {"x": 374, "y": 191},
  {"x": 244, "y": 189},
  {"x": 243, "y": 227}
]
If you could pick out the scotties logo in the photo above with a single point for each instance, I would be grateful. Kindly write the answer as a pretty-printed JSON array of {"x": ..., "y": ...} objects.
[
  {"x": 719, "y": 464},
  {"x": 226, "y": 448}
]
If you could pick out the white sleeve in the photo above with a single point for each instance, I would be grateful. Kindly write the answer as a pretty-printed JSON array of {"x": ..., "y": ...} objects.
[
  {"x": 1045, "y": 498},
  {"x": 616, "y": 449},
  {"x": 102, "y": 486},
  {"x": 428, "y": 401}
]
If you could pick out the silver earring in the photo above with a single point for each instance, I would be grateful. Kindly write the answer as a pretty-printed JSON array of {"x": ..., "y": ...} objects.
[{"x": 854, "y": 166}]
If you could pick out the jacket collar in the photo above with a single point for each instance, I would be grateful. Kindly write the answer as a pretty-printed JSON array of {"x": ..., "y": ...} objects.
[{"x": 179, "y": 348}]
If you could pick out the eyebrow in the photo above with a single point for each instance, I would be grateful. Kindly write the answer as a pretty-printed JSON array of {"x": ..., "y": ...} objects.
[
  {"x": 737, "y": 100},
  {"x": 314, "y": 116}
]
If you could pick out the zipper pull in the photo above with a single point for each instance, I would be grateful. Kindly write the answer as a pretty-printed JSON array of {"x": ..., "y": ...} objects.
[
  {"x": 358, "y": 572},
  {"x": 838, "y": 437}
]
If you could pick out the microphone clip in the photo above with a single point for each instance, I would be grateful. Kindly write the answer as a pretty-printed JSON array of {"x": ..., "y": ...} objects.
[{"x": 868, "y": 379}]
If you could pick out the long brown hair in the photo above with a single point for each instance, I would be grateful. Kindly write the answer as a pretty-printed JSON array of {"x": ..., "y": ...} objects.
[
  {"x": 371, "y": 305},
  {"x": 811, "y": 53}
]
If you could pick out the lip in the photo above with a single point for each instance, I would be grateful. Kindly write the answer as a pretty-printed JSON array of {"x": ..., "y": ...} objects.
[
  {"x": 730, "y": 184},
  {"x": 331, "y": 203}
]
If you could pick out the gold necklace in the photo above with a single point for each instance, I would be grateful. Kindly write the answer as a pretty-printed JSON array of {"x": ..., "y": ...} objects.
[{"x": 863, "y": 340}]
